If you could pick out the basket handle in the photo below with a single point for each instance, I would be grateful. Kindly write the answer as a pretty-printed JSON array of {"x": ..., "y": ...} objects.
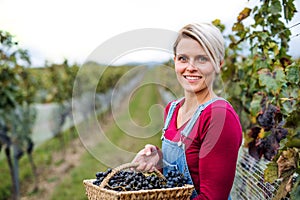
[{"x": 125, "y": 166}]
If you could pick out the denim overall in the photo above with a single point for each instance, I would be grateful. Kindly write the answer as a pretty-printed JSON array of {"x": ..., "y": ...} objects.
[{"x": 174, "y": 152}]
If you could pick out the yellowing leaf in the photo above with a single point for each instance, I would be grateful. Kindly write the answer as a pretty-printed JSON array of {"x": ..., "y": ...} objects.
[
  {"x": 244, "y": 14},
  {"x": 287, "y": 163},
  {"x": 261, "y": 133},
  {"x": 253, "y": 119},
  {"x": 270, "y": 173},
  {"x": 238, "y": 27}
]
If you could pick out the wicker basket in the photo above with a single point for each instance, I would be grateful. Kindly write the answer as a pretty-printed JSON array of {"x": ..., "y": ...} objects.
[{"x": 95, "y": 192}]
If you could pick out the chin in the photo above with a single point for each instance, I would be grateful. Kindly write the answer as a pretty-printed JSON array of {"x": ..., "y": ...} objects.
[{"x": 195, "y": 90}]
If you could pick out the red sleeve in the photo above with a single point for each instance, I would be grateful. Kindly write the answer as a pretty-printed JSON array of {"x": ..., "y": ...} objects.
[{"x": 220, "y": 136}]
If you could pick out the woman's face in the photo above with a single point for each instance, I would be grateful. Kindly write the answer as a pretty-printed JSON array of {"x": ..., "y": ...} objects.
[{"x": 194, "y": 70}]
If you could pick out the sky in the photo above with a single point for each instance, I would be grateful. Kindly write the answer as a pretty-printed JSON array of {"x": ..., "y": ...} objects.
[{"x": 55, "y": 30}]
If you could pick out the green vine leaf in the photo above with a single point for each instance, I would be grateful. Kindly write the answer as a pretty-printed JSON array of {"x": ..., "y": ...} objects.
[
  {"x": 280, "y": 76},
  {"x": 293, "y": 73},
  {"x": 255, "y": 105},
  {"x": 270, "y": 84},
  {"x": 275, "y": 7},
  {"x": 289, "y": 9},
  {"x": 270, "y": 173},
  {"x": 261, "y": 64},
  {"x": 217, "y": 23},
  {"x": 238, "y": 27}
]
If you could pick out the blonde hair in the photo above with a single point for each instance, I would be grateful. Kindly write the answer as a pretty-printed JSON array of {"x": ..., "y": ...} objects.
[{"x": 209, "y": 37}]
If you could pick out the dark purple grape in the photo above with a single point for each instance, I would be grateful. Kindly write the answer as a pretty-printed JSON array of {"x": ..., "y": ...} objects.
[{"x": 132, "y": 181}]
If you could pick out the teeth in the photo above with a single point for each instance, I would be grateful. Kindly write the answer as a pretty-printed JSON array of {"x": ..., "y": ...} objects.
[{"x": 192, "y": 77}]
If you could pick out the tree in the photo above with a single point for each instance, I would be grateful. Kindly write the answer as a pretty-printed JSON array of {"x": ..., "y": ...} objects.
[
  {"x": 16, "y": 114},
  {"x": 62, "y": 77}
]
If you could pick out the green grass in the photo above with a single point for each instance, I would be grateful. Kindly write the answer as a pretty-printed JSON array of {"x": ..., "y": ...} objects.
[
  {"x": 137, "y": 128},
  {"x": 42, "y": 158},
  {"x": 72, "y": 186},
  {"x": 140, "y": 109}
]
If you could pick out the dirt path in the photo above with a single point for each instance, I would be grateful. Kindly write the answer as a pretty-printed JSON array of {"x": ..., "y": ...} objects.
[{"x": 61, "y": 164}]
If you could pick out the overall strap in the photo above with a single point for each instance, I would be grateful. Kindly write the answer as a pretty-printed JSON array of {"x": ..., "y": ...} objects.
[
  {"x": 186, "y": 131},
  {"x": 170, "y": 113}
]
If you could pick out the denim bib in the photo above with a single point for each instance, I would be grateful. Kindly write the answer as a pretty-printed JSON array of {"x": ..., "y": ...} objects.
[{"x": 174, "y": 157}]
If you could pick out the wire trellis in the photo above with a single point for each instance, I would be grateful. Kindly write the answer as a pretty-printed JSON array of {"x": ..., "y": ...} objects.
[{"x": 249, "y": 180}]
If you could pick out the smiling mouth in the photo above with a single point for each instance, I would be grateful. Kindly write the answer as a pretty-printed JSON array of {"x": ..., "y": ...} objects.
[{"x": 192, "y": 77}]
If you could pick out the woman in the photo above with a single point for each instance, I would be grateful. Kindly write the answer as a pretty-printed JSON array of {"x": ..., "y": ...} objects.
[{"x": 202, "y": 132}]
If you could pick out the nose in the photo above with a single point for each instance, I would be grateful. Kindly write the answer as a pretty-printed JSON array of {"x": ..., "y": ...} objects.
[{"x": 190, "y": 66}]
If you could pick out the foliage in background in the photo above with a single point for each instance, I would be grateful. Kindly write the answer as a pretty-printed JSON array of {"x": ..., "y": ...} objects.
[
  {"x": 110, "y": 77},
  {"x": 264, "y": 89},
  {"x": 21, "y": 87},
  {"x": 54, "y": 82},
  {"x": 139, "y": 106},
  {"x": 61, "y": 81},
  {"x": 17, "y": 115}
]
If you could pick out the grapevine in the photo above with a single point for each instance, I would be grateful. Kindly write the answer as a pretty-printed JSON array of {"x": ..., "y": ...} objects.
[
  {"x": 270, "y": 121},
  {"x": 263, "y": 83}
]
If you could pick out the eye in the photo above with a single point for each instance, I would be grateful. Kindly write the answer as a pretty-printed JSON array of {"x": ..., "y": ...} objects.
[
  {"x": 203, "y": 59},
  {"x": 182, "y": 58}
]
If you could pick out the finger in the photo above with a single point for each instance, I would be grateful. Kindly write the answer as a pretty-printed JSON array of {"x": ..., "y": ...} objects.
[
  {"x": 152, "y": 169},
  {"x": 149, "y": 149},
  {"x": 148, "y": 167},
  {"x": 139, "y": 157},
  {"x": 141, "y": 166},
  {"x": 142, "y": 152}
]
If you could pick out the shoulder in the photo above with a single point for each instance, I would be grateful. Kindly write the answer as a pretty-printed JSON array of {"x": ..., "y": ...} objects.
[
  {"x": 221, "y": 118},
  {"x": 220, "y": 108}
]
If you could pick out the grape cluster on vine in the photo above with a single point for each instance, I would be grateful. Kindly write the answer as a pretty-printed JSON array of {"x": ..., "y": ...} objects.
[
  {"x": 266, "y": 119},
  {"x": 269, "y": 119}
]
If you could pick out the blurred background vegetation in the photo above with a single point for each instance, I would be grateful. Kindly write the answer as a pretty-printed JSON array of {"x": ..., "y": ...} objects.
[{"x": 259, "y": 78}]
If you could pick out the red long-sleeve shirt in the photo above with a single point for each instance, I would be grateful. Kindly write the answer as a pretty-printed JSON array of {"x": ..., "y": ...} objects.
[{"x": 211, "y": 149}]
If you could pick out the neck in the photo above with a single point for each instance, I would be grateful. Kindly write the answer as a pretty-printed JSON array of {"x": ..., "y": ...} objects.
[
  {"x": 191, "y": 103},
  {"x": 193, "y": 100}
]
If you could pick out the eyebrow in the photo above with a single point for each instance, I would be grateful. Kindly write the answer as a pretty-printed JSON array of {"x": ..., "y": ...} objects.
[{"x": 200, "y": 55}]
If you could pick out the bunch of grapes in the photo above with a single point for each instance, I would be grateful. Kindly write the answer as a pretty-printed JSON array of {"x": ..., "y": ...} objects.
[
  {"x": 175, "y": 179},
  {"x": 269, "y": 119},
  {"x": 126, "y": 180}
]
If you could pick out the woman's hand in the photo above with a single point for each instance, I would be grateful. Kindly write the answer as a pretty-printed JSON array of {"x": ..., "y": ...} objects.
[{"x": 148, "y": 158}]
